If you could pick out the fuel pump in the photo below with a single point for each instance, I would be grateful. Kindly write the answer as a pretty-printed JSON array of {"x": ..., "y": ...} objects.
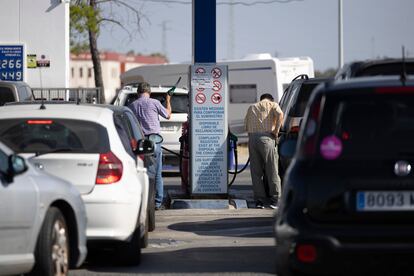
[
  {"x": 184, "y": 162},
  {"x": 184, "y": 158}
]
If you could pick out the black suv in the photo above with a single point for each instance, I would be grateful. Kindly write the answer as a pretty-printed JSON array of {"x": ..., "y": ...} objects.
[
  {"x": 293, "y": 103},
  {"x": 348, "y": 195},
  {"x": 380, "y": 67}
]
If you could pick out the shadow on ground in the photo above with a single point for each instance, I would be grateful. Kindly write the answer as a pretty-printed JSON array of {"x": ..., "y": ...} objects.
[
  {"x": 251, "y": 260},
  {"x": 261, "y": 227}
]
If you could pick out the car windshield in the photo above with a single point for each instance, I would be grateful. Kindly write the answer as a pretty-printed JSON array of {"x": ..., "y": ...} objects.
[
  {"x": 298, "y": 108},
  {"x": 372, "y": 125},
  {"x": 47, "y": 135}
]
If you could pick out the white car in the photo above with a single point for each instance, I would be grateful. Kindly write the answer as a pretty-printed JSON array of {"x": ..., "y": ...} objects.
[
  {"x": 89, "y": 146},
  {"x": 171, "y": 130},
  {"x": 15, "y": 91},
  {"x": 42, "y": 220}
]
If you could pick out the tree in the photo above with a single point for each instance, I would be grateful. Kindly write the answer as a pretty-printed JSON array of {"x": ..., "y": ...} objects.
[
  {"x": 87, "y": 18},
  {"x": 328, "y": 73}
]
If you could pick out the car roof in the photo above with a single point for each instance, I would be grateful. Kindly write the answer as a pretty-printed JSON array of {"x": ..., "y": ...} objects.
[
  {"x": 364, "y": 83},
  {"x": 360, "y": 65},
  {"x": 66, "y": 110},
  {"x": 13, "y": 83}
]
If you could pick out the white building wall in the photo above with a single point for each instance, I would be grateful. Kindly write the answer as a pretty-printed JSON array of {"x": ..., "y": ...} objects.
[
  {"x": 43, "y": 27},
  {"x": 111, "y": 73}
]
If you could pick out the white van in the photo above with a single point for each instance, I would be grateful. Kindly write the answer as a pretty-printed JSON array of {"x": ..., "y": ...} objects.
[
  {"x": 170, "y": 129},
  {"x": 248, "y": 79}
]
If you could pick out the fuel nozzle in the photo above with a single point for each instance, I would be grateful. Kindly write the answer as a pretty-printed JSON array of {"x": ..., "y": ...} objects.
[{"x": 170, "y": 91}]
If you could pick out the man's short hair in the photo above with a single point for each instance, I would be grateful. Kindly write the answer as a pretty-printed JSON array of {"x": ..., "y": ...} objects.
[
  {"x": 266, "y": 96},
  {"x": 143, "y": 87}
]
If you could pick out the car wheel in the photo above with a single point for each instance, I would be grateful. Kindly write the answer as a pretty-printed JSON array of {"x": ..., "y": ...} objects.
[
  {"x": 130, "y": 252},
  {"x": 151, "y": 210},
  {"x": 52, "y": 248}
]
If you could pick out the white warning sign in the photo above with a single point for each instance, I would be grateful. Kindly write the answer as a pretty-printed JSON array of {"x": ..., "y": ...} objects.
[{"x": 208, "y": 156}]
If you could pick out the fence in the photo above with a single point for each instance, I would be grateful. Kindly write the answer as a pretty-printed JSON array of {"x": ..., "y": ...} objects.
[{"x": 82, "y": 95}]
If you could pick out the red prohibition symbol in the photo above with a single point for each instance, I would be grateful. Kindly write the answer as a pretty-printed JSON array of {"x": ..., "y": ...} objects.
[
  {"x": 200, "y": 98},
  {"x": 217, "y": 85},
  {"x": 200, "y": 70},
  {"x": 216, "y": 98},
  {"x": 216, "y": 72}
]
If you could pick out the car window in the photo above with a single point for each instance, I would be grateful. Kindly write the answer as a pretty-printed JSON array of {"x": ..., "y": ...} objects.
[
  {"x": 6, "y": 95},
  {"x": 292, "y": 97},
  {"x": 179, "y": 102},
  {"x": 371, "y": 126},
  {"x": 299, "y": 105},
  {"x": 283, "y": 100},
  {"x": 24, "y": 93},
  {"x": 124, "y": 134},
  {"x": 43, "y": 135},
  {"x": 135, "y": 127},
  {"x": 130, "y": 98},
  {"x": 391, "y": 69},
  {"x": 4, "y": 162}
]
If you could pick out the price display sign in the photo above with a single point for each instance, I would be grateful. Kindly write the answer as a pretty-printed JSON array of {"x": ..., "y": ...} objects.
[{"x": 11, "y": 62}]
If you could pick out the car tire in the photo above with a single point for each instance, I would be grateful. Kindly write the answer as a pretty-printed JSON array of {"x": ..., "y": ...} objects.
[
  {"x": 151, "y": 210},
  {"x": 144, "y": 239},
  {"x": 129, "y": 253},
  {"x": 52, "y": 247}
]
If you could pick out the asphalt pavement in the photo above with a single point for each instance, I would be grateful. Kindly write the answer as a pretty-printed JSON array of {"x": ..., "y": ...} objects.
[{"x": 230, "y": 241}]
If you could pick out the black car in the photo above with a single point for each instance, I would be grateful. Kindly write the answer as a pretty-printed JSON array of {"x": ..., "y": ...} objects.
[
  {"x": 293, "y": 104},
  {"x": 380, "y": 67},
  {"x": 348, "y": 195}
]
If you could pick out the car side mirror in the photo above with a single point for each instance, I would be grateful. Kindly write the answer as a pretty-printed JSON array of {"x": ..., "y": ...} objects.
[
  {"x": 16, "y": 166},
  {"x": 156, "y": 138},
  {"x": 287, "y": 147},
  {"x": 144, "y": 146}
]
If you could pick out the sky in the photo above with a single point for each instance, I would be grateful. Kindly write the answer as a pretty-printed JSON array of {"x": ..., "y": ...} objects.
[{"x": 371, "y": 29}]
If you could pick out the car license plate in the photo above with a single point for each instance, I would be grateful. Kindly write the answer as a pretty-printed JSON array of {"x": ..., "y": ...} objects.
[{"x": 385, "y": 201}]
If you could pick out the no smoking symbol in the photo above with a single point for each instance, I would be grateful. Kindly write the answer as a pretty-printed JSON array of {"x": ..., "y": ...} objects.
[
  {"x": 200, "y": 98},
  {"x": 217, "y": 85},
  {"x": 216, "y": 98},
  {"x": 216, "y": 72}
]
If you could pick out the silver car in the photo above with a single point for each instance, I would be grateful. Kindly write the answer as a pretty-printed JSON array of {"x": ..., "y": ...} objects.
[{"x": 42, "y": 220}]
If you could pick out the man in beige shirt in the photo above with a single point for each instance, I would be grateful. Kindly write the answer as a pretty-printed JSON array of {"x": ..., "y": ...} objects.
[{"x": 262, "y": 122}]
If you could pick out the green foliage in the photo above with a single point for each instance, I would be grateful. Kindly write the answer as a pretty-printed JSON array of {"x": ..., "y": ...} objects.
[
  {"x": 328, "y": 73},
  {"x": 83, "y": 17},
  {"x": 159, "y": 55}
]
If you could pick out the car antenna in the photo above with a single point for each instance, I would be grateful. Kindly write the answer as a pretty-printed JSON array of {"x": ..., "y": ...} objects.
[
  {"x": 42, "y": 105},
  {"x": 403, "y": 76}
]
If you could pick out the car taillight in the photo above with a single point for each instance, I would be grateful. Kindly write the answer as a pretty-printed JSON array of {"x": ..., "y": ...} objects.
[
  {"x": 294, "y": 129},
  {"x": 306, "y": 253},
  {"x": 39, "y": 122},
  {"x": 109, "y": 169}
]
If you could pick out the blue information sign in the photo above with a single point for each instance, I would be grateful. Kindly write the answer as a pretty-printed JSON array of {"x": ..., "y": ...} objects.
[{"x": 11, "y": 62}]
